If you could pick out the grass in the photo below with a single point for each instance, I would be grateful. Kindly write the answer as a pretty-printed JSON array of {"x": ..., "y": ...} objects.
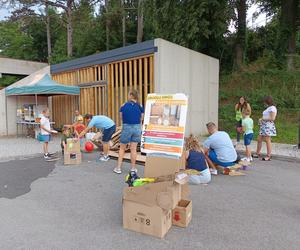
[
  {"x": 255, "y": 83},
  {"x": 287, "y": 123}
]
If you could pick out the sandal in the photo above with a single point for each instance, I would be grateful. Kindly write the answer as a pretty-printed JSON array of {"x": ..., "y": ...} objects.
[
  {"x": 255, "y": 155},
  {"x": 268, "y": 158}
]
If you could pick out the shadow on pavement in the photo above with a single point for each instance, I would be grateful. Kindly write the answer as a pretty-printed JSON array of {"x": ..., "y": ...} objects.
[{"x": 16, "y": 176}]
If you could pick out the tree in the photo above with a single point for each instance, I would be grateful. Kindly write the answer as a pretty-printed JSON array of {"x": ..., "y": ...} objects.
[
  {"x": 241, "y": 26},
  {"x": 288, "y": 12},
  {"x": 140, "y": 22}
]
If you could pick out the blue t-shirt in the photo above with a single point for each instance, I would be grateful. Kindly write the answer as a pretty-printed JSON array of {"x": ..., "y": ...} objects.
[
  {"x": 196, "y": 160},
  {"x": 131, "y": 113},
  {"x": 221, "y": 143},
  {"x": 101, "y": 122}
]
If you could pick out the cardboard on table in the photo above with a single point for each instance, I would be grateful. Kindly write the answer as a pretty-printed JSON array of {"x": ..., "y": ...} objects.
[
  {"x": 165, "y": 195},
  {"x": 182, "y": 213},
  {"x": 151, "y": 220}
]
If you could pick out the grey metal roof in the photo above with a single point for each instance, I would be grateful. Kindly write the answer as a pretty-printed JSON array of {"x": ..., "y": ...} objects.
[{"x": 135, "y": 50}]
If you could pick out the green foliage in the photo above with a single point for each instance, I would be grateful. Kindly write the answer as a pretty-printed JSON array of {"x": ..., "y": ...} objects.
[
  {"x": 7, "y": 80},
  {"x": 16, "y": 42}
]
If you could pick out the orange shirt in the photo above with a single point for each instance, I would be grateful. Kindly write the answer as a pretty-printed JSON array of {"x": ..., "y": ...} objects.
[{"x": 79, "y": 128}]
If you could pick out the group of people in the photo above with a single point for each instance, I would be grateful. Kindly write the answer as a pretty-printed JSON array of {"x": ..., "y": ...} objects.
[
  {"x": 131, "y": 112},
  {"x": 217, "y": 149}
]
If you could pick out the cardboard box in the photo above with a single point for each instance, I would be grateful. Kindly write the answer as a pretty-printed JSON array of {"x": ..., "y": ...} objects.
[
  {"x": 73, "y": 146},
  {"x": 160, "y": 166},
  {"x": 72, "y": 158},
  {"x": 165, "y": 195},
  {"x": 185, "y": 192},
  {"x": 151, "y": 220},
  {"x": 182, "y": 213}
]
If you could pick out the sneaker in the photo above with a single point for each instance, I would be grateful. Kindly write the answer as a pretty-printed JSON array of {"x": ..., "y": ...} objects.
[
  {"x": 47, "y": 156},
  {"x": 134, "y": 169},
  {"x": 213, "y": 171},
  {"x": 104, "y": 158},
  {"x": 117, "y": 171},
  {"x": 246, "y": 159}
]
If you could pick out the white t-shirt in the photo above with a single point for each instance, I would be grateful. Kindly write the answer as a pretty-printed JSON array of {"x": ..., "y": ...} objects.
[
  {"x": 45, "y": 123},
  {"x": 267, "y": 112}
]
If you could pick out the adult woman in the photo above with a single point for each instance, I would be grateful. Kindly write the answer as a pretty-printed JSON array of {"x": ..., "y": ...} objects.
[
  {"x": 267, "y": 128},
  {"x": 240, "y": 107},
  {"x": 132, "y": 115}
]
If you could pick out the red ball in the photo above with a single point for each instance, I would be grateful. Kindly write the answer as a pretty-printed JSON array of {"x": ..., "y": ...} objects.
[{"x": 89, "y": 147}]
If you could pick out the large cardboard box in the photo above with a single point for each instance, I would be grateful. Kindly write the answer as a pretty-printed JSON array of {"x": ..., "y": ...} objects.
[
  {"x": 185, "y": 192},
  {"x": 156, "y": 166},
  {"x": 73, "y": 146},
  {"x": 165, "y": 195},
  {"x": 72, "y": 158},
  {"x": 151, "y": 220},
  {"x": 182, "y": 213}
]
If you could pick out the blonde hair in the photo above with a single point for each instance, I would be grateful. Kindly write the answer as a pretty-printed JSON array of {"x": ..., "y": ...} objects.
[
  {"x": 192, "y": 143},
  {"x": 134, "y": 93}
]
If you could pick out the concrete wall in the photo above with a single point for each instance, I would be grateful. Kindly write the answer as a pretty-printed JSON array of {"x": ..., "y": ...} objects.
[
  {"x": 8, "y": 127},
  {"x": 19, "y": 67},
  {"x": 181, "y": 70}
]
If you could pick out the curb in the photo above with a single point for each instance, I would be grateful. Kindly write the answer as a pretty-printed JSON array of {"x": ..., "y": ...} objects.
[{"x": 278, "y": 157}]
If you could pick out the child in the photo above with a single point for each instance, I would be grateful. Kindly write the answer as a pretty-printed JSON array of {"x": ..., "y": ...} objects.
[
  {"x": 196, "y": 160},
  {"x": 66, "y": 133},
  {"x": 46, "y": 132},
  {"x": 78, "y": 128},
  {"x": 247, "y": 124}
]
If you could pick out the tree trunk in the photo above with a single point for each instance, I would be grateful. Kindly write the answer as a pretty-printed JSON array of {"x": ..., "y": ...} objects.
[
  {"x": 123, "y": 22},
  {"x": 69, "y": 29},
  {"x": 140, "y": 22},
  {"x": 48, "y": 30},
  {"x": 107, "y": 24},
  {"x": 240, "y": 46},
  {"x": 288, "y": 23}
]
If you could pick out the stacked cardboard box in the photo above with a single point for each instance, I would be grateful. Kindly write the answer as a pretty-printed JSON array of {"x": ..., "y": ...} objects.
[
  {"x": 72, "y": 153},
  {"x": 150, "y": 209}
]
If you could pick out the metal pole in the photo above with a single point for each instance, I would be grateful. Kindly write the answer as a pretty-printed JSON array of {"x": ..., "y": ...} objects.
[
  {"x": 6, "y": 115},
  {"x": 299, "y": 135}
]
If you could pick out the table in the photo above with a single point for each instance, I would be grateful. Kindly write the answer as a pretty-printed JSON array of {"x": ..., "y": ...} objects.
[{"x": 29, "y": 125}]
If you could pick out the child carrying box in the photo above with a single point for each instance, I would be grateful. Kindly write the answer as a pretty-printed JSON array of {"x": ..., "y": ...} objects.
[{"x": 196, "y": 160}]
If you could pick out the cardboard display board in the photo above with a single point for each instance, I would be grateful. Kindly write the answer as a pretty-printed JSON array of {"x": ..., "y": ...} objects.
[{"x": 164, "y": 124}]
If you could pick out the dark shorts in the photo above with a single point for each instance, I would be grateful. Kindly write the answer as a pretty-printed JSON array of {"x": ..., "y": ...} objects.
[
  {"x": 213, "y": 157},
  {"x": 131, "y": 133},
  {"x": 248, "y": 138},
  {"x": 107, "y": 133}
]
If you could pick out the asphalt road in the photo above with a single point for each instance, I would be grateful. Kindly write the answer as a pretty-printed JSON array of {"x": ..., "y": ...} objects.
[{"x": 43, "y": 206}]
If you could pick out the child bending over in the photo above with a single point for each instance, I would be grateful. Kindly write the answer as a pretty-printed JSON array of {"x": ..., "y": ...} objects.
[{"x": 196, "y": 160}]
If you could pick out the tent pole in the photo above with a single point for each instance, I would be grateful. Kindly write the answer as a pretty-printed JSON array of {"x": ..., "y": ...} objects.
[
  {"x": 6, "y": 115},
  {"x": 36, "y": 102}
]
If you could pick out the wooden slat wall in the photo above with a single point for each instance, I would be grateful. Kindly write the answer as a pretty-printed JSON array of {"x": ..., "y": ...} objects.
[
  {"x": 137, "y": 73},
  {"x": 93, "y": 100},
  {"x": 63, "y": 107}
]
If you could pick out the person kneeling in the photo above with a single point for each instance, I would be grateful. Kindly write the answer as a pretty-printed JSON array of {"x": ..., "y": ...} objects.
[
  {"x": 218, "y": 148},
  {"x": 196, "y": 160}
]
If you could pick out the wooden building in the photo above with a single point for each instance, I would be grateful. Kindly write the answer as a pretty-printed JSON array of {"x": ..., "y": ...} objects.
[{"x": 155, "y": 66}]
